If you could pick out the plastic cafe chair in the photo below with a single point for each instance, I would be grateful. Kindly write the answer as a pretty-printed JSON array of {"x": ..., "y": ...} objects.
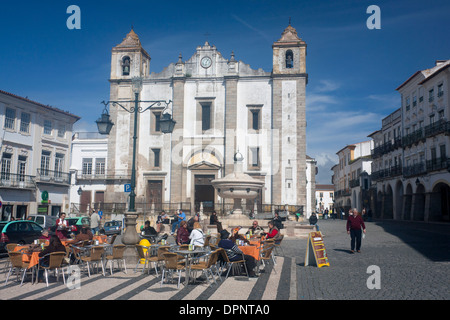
[
  {"x": 143, "y": 256},
  {"x": 232, "y": 264},
  {"x": 9, "y": 248},
  {"x": 117, "y": 256},
  {"x": 55, "y": 263},
  {"x": 95, "y": 257},
  {"x": 266, "y": 254},
  {"x": 15, "y": 259},
  {"x": 171, "y": 265},
  {"x": 278, "y": 246},
  {"x": 206, "y": 266},
  {"x": 158, "y": 258}
]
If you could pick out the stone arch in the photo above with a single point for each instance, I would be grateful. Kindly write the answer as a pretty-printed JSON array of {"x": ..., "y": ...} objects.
[
  {"x": 388, "y": 212},
  {"x": 440, "y": 201},
  {"x": 208, "y": 154}
]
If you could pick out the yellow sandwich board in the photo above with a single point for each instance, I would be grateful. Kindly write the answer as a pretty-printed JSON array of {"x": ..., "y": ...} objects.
[{"x": 316, "y": 253}]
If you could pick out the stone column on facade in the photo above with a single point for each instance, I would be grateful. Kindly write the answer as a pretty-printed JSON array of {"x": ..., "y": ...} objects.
[
  {"x": 230, "y": 125},
  {"x": 277, "y": 111},
  {"x": 178, "y": 175}
]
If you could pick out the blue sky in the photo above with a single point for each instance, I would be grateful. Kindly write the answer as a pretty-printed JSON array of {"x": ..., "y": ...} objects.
[{"x": 353, "y": 71}]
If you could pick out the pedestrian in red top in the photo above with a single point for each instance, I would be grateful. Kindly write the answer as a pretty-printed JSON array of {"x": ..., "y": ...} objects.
[{"x": 354, "y": 225}]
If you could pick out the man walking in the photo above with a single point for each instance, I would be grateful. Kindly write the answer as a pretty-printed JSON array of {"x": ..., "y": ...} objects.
[
  {"x": 95, "y": 221},
  {"x": 354, "y": 225}
]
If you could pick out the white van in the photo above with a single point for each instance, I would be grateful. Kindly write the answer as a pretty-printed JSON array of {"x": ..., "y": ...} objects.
[{"x": 44, "y": 220}]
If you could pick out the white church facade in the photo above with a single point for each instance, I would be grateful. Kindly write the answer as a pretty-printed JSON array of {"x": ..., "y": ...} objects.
[{"x": 220, "y": 106}]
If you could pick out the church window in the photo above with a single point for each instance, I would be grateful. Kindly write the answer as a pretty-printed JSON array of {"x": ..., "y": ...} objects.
[
  {"x": 156, "y": 158},
  {"x": 206, "y": 117},
  {"x": 289, "y": 59},
  {"x": 157, "y": 119},
  {"x": 254, "y": 160},
  {"x": 126, "y": 66}
]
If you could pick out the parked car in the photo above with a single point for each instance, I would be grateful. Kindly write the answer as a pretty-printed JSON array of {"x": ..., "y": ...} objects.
[
  {"x": 20, "y": 232},
  {"x": 77, "y": 222},
  {"x": 44, "y": 220},
  {"x": 112, "y": 227}
]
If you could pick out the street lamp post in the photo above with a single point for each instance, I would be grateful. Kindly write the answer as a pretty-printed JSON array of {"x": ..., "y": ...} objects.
[{"x": 105, "y": 125}]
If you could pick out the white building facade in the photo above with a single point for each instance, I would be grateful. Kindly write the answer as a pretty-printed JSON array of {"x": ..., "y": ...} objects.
[
  {"x": 35, "y": 157},
  {"x": 221, "y": 106},
  {"x": 89, "y": 170},
  {"x": 424, "y": 192},
  {"x": 350, "y": 176}
]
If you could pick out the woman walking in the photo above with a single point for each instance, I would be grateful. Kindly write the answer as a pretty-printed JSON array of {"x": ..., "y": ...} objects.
[{"x": 354, "y": 225}]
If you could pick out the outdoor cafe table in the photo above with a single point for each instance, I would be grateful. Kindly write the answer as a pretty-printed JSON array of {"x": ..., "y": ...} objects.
[
  {"x": 188, "y": 255},
  {"x": 101, "y": 239},
  {"x": 31, "y": 257},
  {"x": 252, "y": 249}
]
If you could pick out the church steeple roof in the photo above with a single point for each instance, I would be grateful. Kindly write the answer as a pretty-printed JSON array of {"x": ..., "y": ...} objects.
[
  {"x": 290, "y": 35},
  {"x": 130, "y": 41}
]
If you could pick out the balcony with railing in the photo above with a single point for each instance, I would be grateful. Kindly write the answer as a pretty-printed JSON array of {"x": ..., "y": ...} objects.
[
  {"x": 354, "y": 183},
  {"x": 413, "y": 138},
  {"x": 50, "y": 176},
  {"x": 121, "y": 175},
  {"x": 386, "y": 148},
  {"x": 438, "y": 164},
  {"x": 19, "y": 181},
  {"x": 387, "y": 173},
  {"x": 415, "y": 170},
  {"x": 439, "y": 127}
]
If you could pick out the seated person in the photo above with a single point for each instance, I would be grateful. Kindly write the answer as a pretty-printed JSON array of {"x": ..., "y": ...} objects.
[
  {"x": 255, "y": 228},
  {"x": 181, "y": 216},
  {"x": 162, "y": 219},
  {"x": 197, "y": 236},
  {"x": 84, "y": 235},
  {"x": 277, "y": 221},
  {"x": 235, "y": 254},
  {"x": 149, "y": 230},
  {"x": 273, "y": 231},
  {"x": 45, "y": 235},
  {"x": 191, "y": 222},
  {"x": 183, "y": 234},
  {"x": 54, "y": 246},
  {"x": 214, "y": 220},
  {"x": 236, "y": 236}
]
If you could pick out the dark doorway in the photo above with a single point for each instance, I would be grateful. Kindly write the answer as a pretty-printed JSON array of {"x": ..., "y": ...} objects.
[
  {"x": 85, "y": 201},
  {"x": 154, "y": 194},
  {"x": 21, "y": 213},
  {"x": 204, "y": 192}
]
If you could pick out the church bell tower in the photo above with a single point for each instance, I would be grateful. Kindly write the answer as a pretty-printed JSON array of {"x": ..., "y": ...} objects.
[{"x": 289, "y": 118}]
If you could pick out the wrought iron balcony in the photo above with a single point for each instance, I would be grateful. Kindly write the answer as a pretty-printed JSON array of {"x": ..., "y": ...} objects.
[
  {"x": 121, "y": 175},
  {"x": 415, "y": 170},
  {"x": 50, "y": 176},
  {"x": 438, "y": 164},
  {"x": 414, "y": 137},
  {"x": 20, "y": 181},
  {"x": 440, "y": 126}
]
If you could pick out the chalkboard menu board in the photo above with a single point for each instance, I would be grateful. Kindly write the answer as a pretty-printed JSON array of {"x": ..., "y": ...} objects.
[{"x": 316, "y": 254}]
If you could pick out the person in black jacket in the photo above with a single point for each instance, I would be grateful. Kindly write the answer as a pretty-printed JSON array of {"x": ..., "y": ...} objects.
[
  {"x": 214, "y": 220},
  {"x": 313, "y": 221},
  {"x": 277, "y": 221}
]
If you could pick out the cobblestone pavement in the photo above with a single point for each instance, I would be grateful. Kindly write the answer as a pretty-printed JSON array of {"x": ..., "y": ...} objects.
[{"x": 413, "y": 261}]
